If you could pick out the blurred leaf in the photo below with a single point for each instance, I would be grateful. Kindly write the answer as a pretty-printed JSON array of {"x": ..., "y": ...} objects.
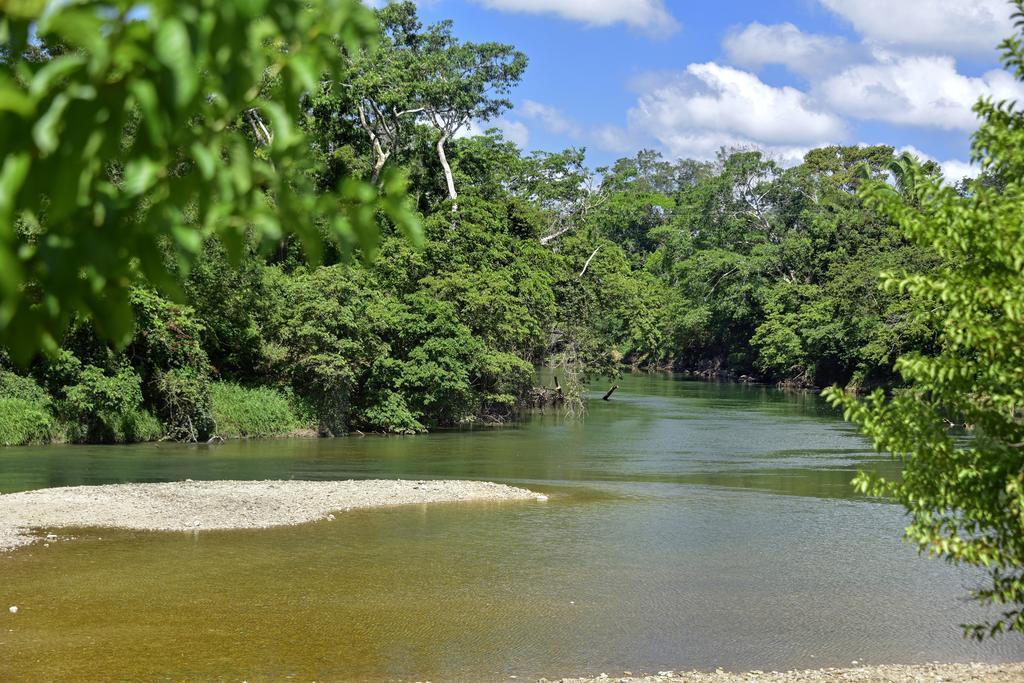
[{"x": 174, "y": 50}]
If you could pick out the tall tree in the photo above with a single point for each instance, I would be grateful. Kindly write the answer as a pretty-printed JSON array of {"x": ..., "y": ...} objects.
[
  {"x": 382, "y": 83},
  {"x": 463, "y": 82}
]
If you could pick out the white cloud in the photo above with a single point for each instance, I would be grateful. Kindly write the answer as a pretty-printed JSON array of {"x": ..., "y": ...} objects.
[
  {"x": 709, "y": 106},
  {"x": 615, "y": 139},
  {"x": 806, "y": 54},
  {"x": 552, "y": 118},
  {"x": 513, "y": 131},
  {"x": 954, "y": 170},
  {"x": 956, "y": 26},
  {"x": 649, "y": 15},
  {"x": 918, "y": 91}
]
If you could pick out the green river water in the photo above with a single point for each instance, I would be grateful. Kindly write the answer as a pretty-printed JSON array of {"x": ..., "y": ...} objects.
[{"x": 690, "y": 525}]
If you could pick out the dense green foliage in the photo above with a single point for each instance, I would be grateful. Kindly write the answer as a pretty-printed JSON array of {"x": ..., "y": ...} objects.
[
  {"x": 185, "y": 263},
  {"x": 965, "y": 496},
  {"x": 106, "y": 408},
  {"x": 23, "y": 422},
  {"x": 738, "y": 266},
  {"x": 750, "y": 268},
  {"x": 733, "y": 267}
]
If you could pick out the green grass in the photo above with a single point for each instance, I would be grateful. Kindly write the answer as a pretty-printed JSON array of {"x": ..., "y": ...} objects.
[
  {"x": 25, "y": 422},
  {"x": 142, "y": 426},
  {"x": 242, "y": 412}
]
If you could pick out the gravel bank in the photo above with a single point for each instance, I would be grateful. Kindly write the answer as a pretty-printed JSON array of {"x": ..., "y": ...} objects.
[
  {"x": 919, "y": 673},
  {"x": 203, "y": 505}
]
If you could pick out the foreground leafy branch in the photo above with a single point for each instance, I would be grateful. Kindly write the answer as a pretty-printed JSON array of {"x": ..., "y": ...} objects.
[
  {"x": 127, "y": 139},
  {"x": 965, "y": 496}
]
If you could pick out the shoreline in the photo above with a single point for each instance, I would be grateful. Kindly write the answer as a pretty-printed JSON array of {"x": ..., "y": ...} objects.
[
  {"x": 884, "y": 673},
  {"x": 223, "y": 505}
]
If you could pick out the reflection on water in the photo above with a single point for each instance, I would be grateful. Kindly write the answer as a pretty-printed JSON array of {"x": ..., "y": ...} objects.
[{"x": 666, "y": 544}]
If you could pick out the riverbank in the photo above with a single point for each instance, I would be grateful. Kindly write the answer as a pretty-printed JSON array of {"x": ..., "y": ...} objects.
[
  {"x": 207, "y": 505},
  {"x": 932, "y": 673}
]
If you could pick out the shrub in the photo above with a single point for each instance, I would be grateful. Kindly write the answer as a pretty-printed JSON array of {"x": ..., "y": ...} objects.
[
  {"x": 258, "y": 412},
  {"x": 185, "y": 405},
  {"x": 168, "y": 354},
  {"x": 389, "y": 413},
  {"x": 103, "y": 408},
  {"x": 25, "y": 415}
]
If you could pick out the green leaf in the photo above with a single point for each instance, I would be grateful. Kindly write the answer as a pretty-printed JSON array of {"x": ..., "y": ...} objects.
[
  {"x": 13, "y": 98},
  {"x": 306, "y": 71},
  {"x": 13, "y": 172},
  {"x": 52, "y": 72},
  {"x": 46, "y": 129},
  {"x": 174, "y": 50},
  {"x": 24, "y": 9},
  {"x": 140, "y": 175},
  {"x": 114, "y": 317},
  {"x": 204, "y": 160},
  {"x": 79, "y": 27},
  {"x": 251, "y": 8},
  {"x": 146, "y": 97},
  {"x": 281, "y": 126},
  {"x": 189, "y": 239}
]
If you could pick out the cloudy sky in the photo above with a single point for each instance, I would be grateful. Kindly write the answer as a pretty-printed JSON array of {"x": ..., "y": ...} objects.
[{"x": 688, "y": 77}]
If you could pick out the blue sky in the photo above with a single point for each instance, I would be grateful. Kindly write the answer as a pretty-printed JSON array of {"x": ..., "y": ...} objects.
[{"x": 688, "y": 77}]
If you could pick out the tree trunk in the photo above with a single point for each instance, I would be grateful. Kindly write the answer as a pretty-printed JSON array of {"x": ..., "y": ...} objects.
[
  {"x": 382, "y": 158},
  {"x": 449, "y": 178},
  {"x": 380, "y": 155},
  {"x": 610, "y": 392}
]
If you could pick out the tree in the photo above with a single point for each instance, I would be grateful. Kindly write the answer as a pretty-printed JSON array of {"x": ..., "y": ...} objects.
[
  {"x": 562, "y": 187},
  {"x": 965, "y": 496},
  {"x": 418, "y": 78},
  {"x": 127, "y": 138},
  {"x": 382, "y": 83},
  {"x": 463, "y": 82}
]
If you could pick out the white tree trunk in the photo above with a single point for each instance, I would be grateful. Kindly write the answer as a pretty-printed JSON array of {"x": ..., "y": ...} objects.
[
  {"x": 259, "y": 129},
  {"x": 382, "y": 158},
  {"x": 449, "y": 178}
]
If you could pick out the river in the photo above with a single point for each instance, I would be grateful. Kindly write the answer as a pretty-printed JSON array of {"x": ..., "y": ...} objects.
[{"x": 689, "y": 525}]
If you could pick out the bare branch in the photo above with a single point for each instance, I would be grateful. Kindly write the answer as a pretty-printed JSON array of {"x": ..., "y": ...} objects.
[{"x": 547, "y": 239}]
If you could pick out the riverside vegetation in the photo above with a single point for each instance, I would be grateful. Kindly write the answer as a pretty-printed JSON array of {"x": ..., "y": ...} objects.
[
  {"x": 211, "y": 291},
  {"x": 737, "y": 266}
]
